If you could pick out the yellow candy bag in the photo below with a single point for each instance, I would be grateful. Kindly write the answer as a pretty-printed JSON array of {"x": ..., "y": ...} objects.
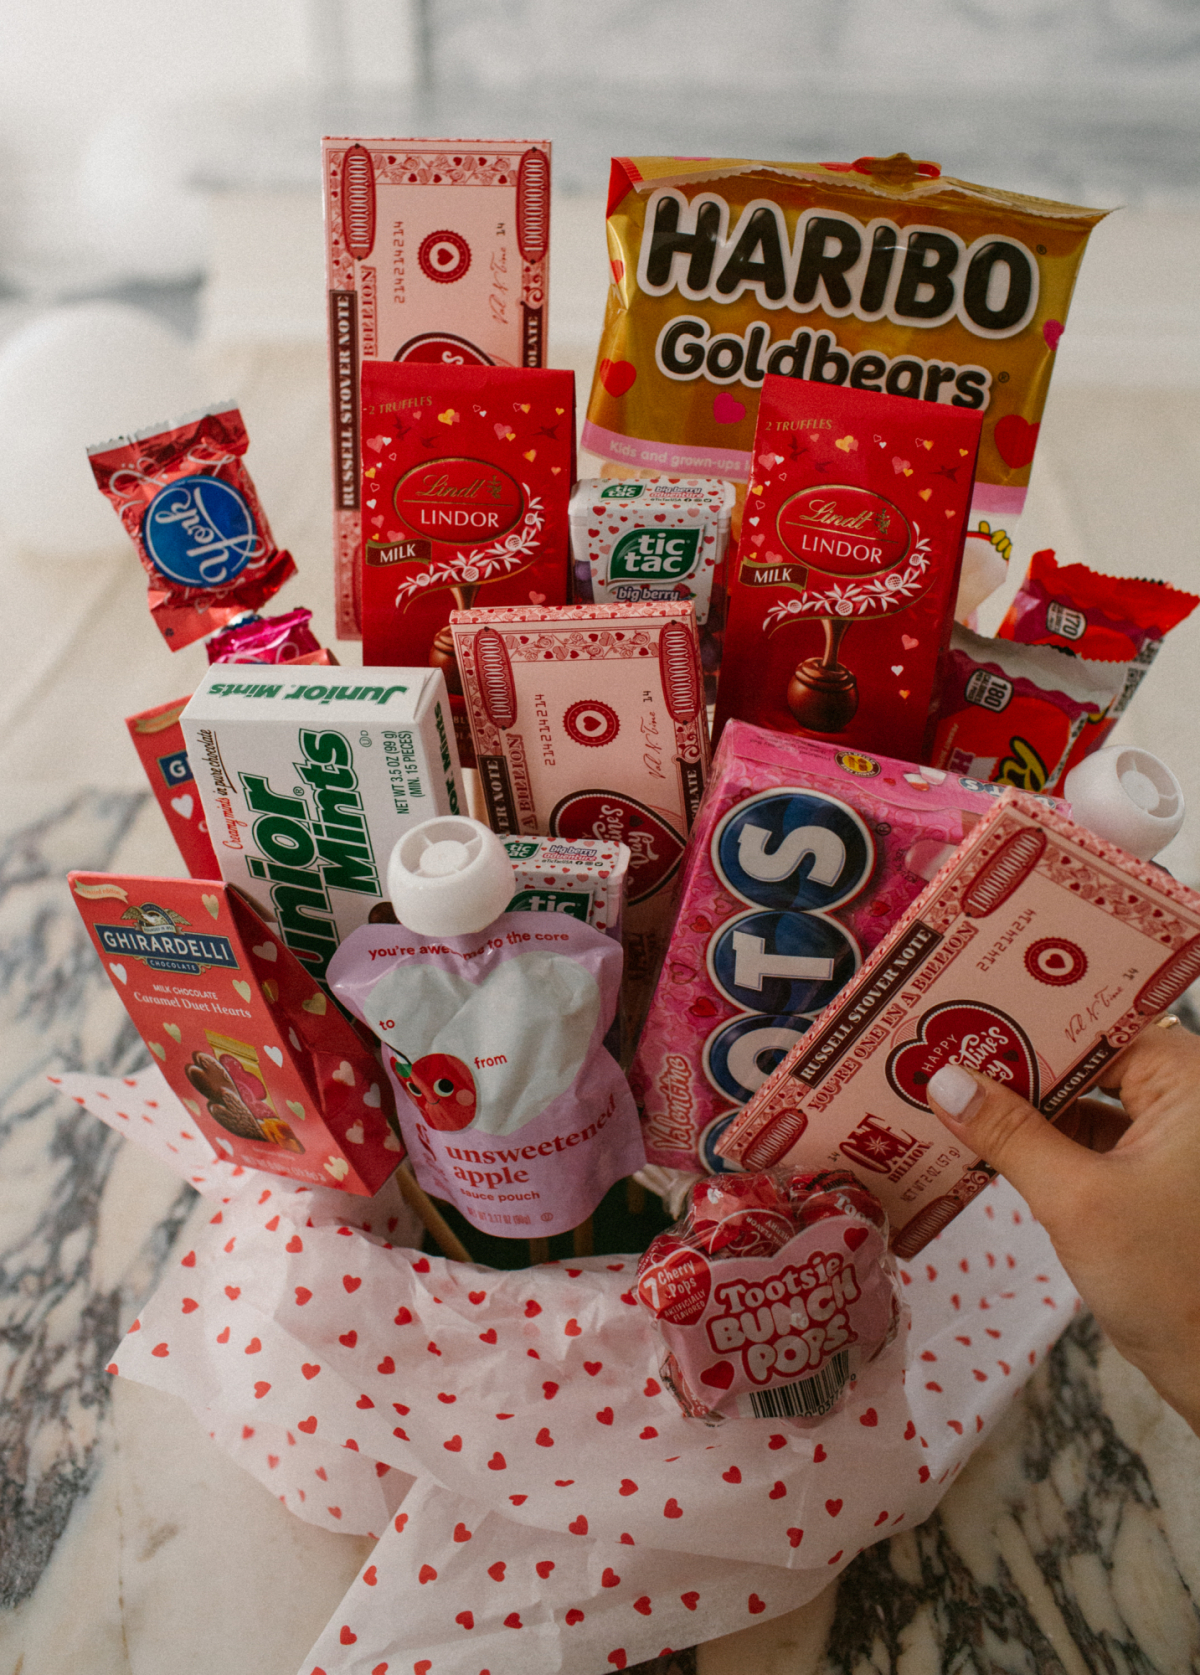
[{"x": 880, "y": 274}]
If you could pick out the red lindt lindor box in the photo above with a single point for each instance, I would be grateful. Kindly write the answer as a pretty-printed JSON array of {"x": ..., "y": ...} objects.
[
  {"x": 269, "y": 1068},
  {"x": 842, "y": 595},
  {"x": 467, "y": 474}
]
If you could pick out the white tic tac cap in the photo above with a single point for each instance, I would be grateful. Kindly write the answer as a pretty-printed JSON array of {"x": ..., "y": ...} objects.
[
  {"x": 449, "y": 877},
  {"x": 1128, "y": 797}
]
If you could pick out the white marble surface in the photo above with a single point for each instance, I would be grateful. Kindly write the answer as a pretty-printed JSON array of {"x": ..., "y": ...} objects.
[{"x": 128, "y": 1542}]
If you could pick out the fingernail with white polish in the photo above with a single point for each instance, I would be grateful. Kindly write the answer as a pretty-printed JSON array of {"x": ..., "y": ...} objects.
[{"x": 954, "y": 1090}]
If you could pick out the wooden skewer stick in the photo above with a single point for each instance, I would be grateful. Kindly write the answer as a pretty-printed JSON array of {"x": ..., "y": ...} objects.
[{"x": 448, "y": 1242}]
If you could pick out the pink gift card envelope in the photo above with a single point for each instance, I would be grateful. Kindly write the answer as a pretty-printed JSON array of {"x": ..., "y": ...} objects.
[
  {"x": 1035, "y": 955},
  {"x": 436, "y": 252}
]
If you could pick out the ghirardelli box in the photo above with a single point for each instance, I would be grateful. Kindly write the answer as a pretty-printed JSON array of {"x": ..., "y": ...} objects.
[
  {"x": 271, "y": 1072},
  {"x": 467, "y": 474},
  {"x": 436, "y": 255},
  {"x": 842, "y": 594},
  {"x": 1034, "y": 956},
  {"x": 589, "y": 722}
]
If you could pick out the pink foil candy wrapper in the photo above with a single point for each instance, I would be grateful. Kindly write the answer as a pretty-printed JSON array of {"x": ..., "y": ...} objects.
[
  {"x": 192, "y": 512},
  {"x": 511, "y": 1107},
  {"x": 771, "y": 1295},
  {"x": 271, "y": 639}
]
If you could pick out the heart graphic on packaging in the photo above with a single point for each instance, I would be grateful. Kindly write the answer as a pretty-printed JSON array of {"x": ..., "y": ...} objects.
[
  {"x": 316, "y": 1004},
  {"x": 617, "y": 377},
  {"x": 968, "y": 1033},
  {"x": 119, "y": 972},
  {"x": 212, "y": 903},
  {"x": 657, "y": 847},
  {"x": 183, "y": 806},
  {"x": 1052, "y": 331},
  {"x": 242, "y": 988},
  {"x": 174, "y": 1031},
  {"x": 1015, "y": 440},
  {"x": 727, "y": 410},
  {"x": 275, "y": 1054},
  {"x": 265, "y": 951}
]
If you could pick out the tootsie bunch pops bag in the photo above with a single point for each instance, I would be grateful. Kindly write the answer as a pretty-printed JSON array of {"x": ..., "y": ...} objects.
[{"x": 877, "y": 274}]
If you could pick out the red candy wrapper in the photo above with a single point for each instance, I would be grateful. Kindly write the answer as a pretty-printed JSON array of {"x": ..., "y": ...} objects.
[
  {"x": 1104, "y": 618},
  {"x": 278, "y": 639},
  {"x": 843, "y": 591},
  {"x": 1014, "y": 713},
  {"x": 771, "y": 1294},
  {"x": 1119, "y": 618},
  {"x": 192, "y": 512}
]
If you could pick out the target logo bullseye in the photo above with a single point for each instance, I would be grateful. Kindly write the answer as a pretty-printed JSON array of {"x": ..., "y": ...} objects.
[
  {"x": 1054, "y": 960},
  {"x": 592, "y": 723},
  {"x": 444, "y": 257}
]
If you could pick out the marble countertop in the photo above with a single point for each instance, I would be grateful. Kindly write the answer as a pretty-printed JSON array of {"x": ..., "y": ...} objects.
[{"x": 128, "y": 1541}]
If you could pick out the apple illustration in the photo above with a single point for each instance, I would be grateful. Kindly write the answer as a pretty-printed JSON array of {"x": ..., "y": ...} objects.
[{"x": 441, "y": 1087}]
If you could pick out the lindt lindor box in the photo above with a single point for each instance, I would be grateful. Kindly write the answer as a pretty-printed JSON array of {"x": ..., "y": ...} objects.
[
  {"x": 842, "y": 594},
  {"x": 802, "y": 859},
  {"x": 270, "y": 1071},
  {"x": 588, "y": 723},
  {"x": 309, "y": 776},
  {"x": 1035, "y": 955},
  {"x": 467, "y": 473},
  {"x": 436, "y": 254}
]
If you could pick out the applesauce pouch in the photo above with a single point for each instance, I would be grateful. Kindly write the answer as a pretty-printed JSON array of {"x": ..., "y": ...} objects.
[{"x": 512, "y": 1109}]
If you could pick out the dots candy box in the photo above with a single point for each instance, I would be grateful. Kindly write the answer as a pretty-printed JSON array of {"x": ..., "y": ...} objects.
[
  {"x": 842, "y": 596},
  {"x": 1035, "y": 955},
  {"x": 436, "y": 253},
  {"x": 271, "y": 1072},
  {"x": 190, "y": 509},
  {"x": 589, "y": 723},
  {"x": 467, "y": 472},
  {"x": 802, "y": 858},
  {"x": 307, "y": 784}
]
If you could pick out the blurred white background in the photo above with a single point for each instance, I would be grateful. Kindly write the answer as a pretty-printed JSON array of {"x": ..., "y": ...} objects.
[{"x": 164, "y": 160}]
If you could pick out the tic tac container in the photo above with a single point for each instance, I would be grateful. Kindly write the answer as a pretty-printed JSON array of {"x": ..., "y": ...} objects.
[
  {"x": 634, "y": 539},
  {"x": 307, "y": 784},
  {"x": 802, "y": 858}
]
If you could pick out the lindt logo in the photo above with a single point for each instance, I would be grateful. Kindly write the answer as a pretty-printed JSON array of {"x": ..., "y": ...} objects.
[
  {"x": 845, "y": 531},
  {"x": 459, "y": 501}
]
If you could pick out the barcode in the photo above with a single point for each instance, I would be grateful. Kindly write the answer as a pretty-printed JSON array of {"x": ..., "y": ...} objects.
[{"x": 804, "y": 1398}]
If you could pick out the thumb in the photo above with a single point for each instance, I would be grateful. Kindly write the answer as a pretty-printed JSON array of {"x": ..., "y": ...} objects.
[{"x": 1010, "y": 1134}]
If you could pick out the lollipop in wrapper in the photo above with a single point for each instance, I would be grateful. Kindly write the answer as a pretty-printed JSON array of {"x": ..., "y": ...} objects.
[
  {"x": 191, "y": 511},
  {"x": 771, "y": 1294}
]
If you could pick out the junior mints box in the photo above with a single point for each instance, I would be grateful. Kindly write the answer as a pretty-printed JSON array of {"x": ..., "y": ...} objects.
[{"x": 307, "y": 785}]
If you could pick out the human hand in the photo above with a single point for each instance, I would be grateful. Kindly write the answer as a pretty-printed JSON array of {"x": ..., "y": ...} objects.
[{"x": 1117, "y": 1191}]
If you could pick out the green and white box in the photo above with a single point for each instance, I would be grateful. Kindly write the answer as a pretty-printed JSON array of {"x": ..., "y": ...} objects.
[
  {"x": 308, "y": 782},
  {"x": 659, "y": 538}
]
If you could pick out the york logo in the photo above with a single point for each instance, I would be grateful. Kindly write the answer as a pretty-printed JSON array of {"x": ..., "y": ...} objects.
[
  {"x": 654, "y": 555},
  {"x": 792, "y": 856},
  {"x": 200, "y": 532},
  {"x": 458, "y": 501},
  {"x": 916, "y": 275}
]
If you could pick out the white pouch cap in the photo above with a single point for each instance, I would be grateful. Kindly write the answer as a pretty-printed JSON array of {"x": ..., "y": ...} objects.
[
  {"x": 1128, "y": 797},
  {"x": 449, "y": 876}
]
